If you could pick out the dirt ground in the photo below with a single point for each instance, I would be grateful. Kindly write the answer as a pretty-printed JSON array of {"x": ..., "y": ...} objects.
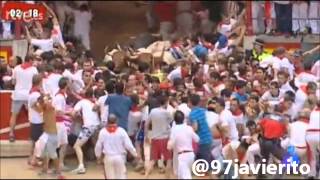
[
  {"x": 17, "y": 168},
  {"x": 115, "y": 21}
]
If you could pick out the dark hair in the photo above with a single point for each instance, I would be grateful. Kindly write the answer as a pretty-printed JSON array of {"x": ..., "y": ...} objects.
[
  {"x": 58, "y": 65},
  {"x": 289, "y": 96},
  {"x": 226, "y": 92},
  {"x": 18, "y": 60},
  {"x": 155, "y": 80},
  {"x": 312, "y": 85},
  {"x": 178, "y": 117},
  {"x": 221, "y": 102},
  {"x": 275, "y": 84},
  {"x": 240, "y": 84},
  {"x": 135, "y": 99},
  {"x": 215, "y": 75},
  {"x": 112, "y": 119},
  {"x": 119, "y": 87},
  {"x": 98, "y": 76},
  {"x": 244, "y": 145},
  {"x": 28, "y": 58},
  {"x": 162, "y": 99},
  {"x": 254, "y": 97},
  {"x": 195, "y": 99},
  {"x": 251, "y": 123},
  {"x": 63, "y": 83},
  {"x": 89, "y": 93},
  {"x": 237, "y": 100},
  {"x": 110, "y": 87},
  {"x": 242, "y": 69},
  {"x": 36, "y": 80}
]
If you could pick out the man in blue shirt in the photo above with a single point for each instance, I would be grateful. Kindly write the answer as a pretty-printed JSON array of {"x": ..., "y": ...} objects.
[
  {"x": 119, "y": 105},
  {"x": 199, "y": 123},
  {"x": 240, "y": 93}
]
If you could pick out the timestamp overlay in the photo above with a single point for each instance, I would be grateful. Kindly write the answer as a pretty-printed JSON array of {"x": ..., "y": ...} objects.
[{"x": 20, "y": 11}]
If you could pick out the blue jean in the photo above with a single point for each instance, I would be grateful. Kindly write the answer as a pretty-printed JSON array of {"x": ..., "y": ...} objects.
[
  {"x": 204, "y": 152},
  {"x": 283, "y": 17}
]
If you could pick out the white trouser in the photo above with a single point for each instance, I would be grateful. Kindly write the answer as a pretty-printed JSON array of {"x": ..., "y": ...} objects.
[
  {"x": 217, "y": 149},
  {"x": 314, "y": 12},
  {"x": 84, "y": 38},
  {"x": 175, "y": 162},
  {"x": 185, "y": 161},
  {"x": 253, "y": 150},
  {"x": 300, "y": 11},
  {"x": 166, "y": 29},
  {"x": 184, "y": 23},
  {"x": 146, "y": 151},
  {"x": 313, "y": 140},
  {"x": 115, "y": 167},
  {"x": 62, "y": 134},
  {"x": 257, "y": 15}
]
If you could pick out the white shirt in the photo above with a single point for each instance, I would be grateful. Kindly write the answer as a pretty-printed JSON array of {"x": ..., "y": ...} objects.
[
  {"x": 314, "y": 122},
  {"x": 43, "y": 44},
  {"x": 286, "y": 87},
  {"x": 51, "y": 84},
  {"x": 34, "y": 116},
  {"x": 90, "y": 117},
  {"x": 176, "y": 73},
  {"x": 181, "y": 138},
  {"x": 304, "y": 77},
  {"x": 300, "y": 99},
  {"x": 116, "y": 143},
  {"x": 23, "y": 84},
  {"x": 227, "y": 120},
  {"x": 133, "y": 120},
  {"x": 59, "y": 102},
  {"x": 283, "y": 64},
  {"x": 212, "y": 118},
  {"x": 272, "y": 100},
  {"x": 104, "y": 109},
  {"x": 185, "y": 109},
  {"x": 82, "y": 22},
  {"x": 297, "y": 133},
  {"x": 56, "y": 35}
]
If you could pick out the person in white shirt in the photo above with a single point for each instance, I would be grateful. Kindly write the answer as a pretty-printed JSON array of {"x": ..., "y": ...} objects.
[
  {"x": 90, "y": 125},
  {"x": 283, "y": 80},
  {"x": 180, "y": 140},
  {"x": 22, "y": 79},
  {"x": 273, "y": 95},
  {"x": 183, "y": 107},
  {"x": 228, "y": 123},
  {"x": 59, "y": 103},
  {"x": 313, "y": 139},
  {"x": 297, "y": 135},
  {"x": 113, "y": 142},
  {"x": 82, "y": 26},
  {"x": 281, "y": 63},
  {"x": 35, "y": 115},
  {"x": 51, "y": 83},
  {"x": 45, "y": 44},
  {"x": 304, "y": 93}
]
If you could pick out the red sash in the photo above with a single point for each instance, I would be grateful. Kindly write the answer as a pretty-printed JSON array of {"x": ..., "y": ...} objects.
[{"x": 35, "y": 89}]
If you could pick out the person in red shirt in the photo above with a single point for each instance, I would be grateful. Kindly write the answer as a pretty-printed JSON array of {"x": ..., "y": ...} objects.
[{"x": 272, "y": 128}]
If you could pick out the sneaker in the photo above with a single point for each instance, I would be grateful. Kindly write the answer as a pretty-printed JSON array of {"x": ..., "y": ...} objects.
[
  {"x": 79, "y": 170},
  {"x": 64, "y": 168}
]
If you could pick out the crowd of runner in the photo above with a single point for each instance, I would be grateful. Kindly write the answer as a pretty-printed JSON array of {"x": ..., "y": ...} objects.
[{"x": 206, "y": 98}]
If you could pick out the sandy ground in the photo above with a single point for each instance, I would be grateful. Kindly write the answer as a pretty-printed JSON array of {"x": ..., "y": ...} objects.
[{"x": 17, "y": 168}]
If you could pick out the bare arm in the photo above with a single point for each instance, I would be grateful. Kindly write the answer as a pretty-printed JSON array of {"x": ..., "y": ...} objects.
[
  {"x": 55, "y": 19},
  {"x": 317, "y": 48}
]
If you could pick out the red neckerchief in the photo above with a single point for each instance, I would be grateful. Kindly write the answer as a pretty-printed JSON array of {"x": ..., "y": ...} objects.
[
  {"x": 26, "y": 65},
  {"x": 317, "y": 109},
  {"x": 35, "y": 89},
  {"x": 241, "y": 155},
  {"x": 135, "y": 108},
  {"x": 238, "y": 112},
  {"x": 112, "y": 128},
  {"x": 304, "y": 89}
]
